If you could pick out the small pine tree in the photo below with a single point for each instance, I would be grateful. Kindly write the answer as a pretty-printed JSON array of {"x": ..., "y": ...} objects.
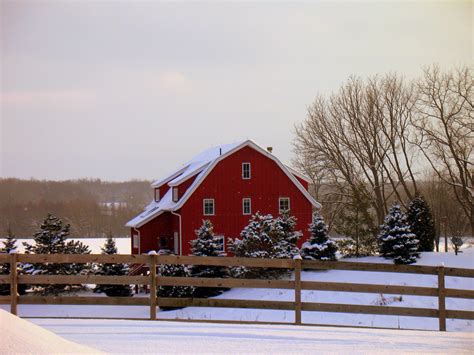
[
  {"x": 9, "y": 247},
  {"x": 206, "y": 245},
  {"x": 110, "y": 248},
  {"x": 256, "y": 241},
  {"x": 396, "y": 241},
  {"x": 319, "y": 246},
  {"x": 51, "y": 239},
  {"x": 265, "y": 237},
  {"x": 283, "y": 229},
  {"x": 421, "y": 223},
  {"x": 357, "y": 224},
  {"x": 174, "y": 291}
]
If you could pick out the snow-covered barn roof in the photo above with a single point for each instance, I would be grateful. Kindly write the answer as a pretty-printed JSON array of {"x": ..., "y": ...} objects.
[{"x": 201, "y": 165}]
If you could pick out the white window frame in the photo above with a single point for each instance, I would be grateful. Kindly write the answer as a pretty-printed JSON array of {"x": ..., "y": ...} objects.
[
  {"x": 175, "y": 193},
  {"x": 243, "y": 170},
  {"x": 223, "y": 241},
  {"x": 245, "y": 199},
  {"x": 136, "y": 241},
  {"x": 279, "y": 204},
  {"x": 204, "y": 207},
  {"x": 157, "y": 195}
]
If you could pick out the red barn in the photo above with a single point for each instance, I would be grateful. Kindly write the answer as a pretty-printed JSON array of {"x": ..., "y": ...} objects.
[{"x": 225, "y": 184}]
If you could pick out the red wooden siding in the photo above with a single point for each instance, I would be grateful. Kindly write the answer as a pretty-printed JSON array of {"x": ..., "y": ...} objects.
[
  {"x": 162, "y": 226},
  {"x": 225, "y": 185}
]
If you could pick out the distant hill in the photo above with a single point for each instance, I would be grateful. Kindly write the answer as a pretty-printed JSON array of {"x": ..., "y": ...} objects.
[{"x": 92, "y": 207}]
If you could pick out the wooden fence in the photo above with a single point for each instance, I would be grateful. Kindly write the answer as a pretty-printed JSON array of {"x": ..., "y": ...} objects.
[{"x": 296, "y": 284}]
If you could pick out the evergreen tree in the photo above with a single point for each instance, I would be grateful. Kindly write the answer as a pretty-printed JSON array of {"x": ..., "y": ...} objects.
[
  {"x": 207, "y": 245},
  {"x": 9, "y": 247},
  {"x": 174, "y": 291},
  {"x": 396, "y": 241},
  {"x": 421, "y": 222},
  {"x": 110, "y": 248},
  {"x": 357, "y": 224},
  {"x": 319, "y": 246},
  {"x": 283, "y": 230},
  {"x": 51, "y": 239},
  {"x": 265, "y": 237},
  {"x": 256, "y": 241}
]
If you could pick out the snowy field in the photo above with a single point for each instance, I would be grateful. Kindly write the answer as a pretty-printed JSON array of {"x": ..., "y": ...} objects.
[
  {"x": 136, "y": 337},
  {"x": 123, "y": 244},
  {"x": 22, "y": 337},
  {"x": 466, "y": 260},
  {"x": 79, "y": 336}
]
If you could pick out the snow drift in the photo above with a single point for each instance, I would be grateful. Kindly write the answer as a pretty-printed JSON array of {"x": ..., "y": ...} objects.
[{"x": 22, "y": 337}]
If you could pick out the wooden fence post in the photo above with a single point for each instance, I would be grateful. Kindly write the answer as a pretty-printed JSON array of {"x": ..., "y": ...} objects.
[
  {"x": 441, "y": 299},
  {"x": 13, "y": 284},
  {"x": 297, "y": 267},
  {"x": 153, "y": 287}
]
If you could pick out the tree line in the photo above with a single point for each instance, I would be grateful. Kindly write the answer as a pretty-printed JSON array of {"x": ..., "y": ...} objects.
[
  {"x": 91, "y": 207},
  {"x": 386, "y": 138}
]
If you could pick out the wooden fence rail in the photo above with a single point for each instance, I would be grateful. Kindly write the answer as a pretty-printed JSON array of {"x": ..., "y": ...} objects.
[{"x": 154, "y": 281}]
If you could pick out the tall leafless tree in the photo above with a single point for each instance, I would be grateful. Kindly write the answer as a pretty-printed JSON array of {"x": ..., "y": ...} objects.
[
  {"x": 445, "y": 126},
  {"x": 359, "y": 136}
]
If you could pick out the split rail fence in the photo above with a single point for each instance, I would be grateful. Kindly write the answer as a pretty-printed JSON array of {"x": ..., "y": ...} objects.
[{"x": 153, "y": 281}]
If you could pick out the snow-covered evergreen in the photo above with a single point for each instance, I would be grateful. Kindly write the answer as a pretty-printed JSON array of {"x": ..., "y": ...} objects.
[
  {"x": 283, "y": 230},
  {"x": 396, "y": 241},
  {"x": 110, "y": 248},
  {"x": 206, "y": 245},
  {"x": 255, "y": 241},
  {"x": 265, "y": 237},
  {"x": 421, "y": 222},
  {"x": 174, "y": 291},
  {"x": 319, "y": 246},
  {"x": 52, "y": 239},
  {"x": 9, "y": 246}
]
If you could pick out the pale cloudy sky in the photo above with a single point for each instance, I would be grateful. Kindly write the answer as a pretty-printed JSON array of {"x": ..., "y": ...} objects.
[{"x": 125, "y": 89}]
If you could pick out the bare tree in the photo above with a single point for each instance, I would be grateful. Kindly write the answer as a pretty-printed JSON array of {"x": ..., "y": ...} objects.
[
  {"x": 445, "y": 126},
  {"x": 359, "y": 138},
  {"x": 396, "y": 107}
]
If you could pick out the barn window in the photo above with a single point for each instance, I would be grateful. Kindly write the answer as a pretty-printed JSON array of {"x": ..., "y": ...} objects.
[
  {"x": 157, "y": 195},
  {"x": 246, "y": 171},
  {"x": 208, "y": 207},
  {"x": 220, "y": 241},
  {"x": 283, "y": 204},
  {"x": 136, "y": 241},
  {"x": 246, "y": 206},
  {"x": 175, "y": 194}
]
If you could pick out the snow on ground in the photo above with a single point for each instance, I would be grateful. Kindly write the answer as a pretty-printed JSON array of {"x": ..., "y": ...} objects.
[
  {"x": 466, "y": 260},
  {"x": 123, "y": 244},
  {"x": 19, "y": 336},
  {"x": 135, "y": 337}
]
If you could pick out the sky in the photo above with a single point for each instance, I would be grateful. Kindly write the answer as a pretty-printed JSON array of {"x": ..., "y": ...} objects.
[{"x": 119, "y": 90}]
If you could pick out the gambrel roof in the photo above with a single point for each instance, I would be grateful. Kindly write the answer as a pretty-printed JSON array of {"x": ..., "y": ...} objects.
[{"x": 201, "y": 165}]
